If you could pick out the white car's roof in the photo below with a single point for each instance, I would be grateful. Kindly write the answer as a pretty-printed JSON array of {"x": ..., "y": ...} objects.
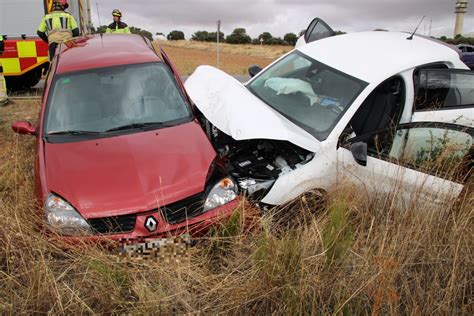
[{"x": 375, "y": 56}]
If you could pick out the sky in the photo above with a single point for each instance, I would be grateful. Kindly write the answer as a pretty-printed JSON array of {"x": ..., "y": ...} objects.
[{"x": 283, "y": 16}]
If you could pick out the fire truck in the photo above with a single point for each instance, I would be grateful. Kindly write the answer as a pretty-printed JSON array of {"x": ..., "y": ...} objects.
[{"x": 25, "y": 58}]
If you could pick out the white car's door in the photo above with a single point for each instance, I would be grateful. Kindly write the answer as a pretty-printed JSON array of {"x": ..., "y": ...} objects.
[
  {"x": 317, "y": 29},
  {"x": 420, "y": 162},
  {"x": 444, "y": 95}
]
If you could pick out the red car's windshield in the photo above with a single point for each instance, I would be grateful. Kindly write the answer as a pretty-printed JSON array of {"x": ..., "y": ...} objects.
[{"x": 115, "y": 98}]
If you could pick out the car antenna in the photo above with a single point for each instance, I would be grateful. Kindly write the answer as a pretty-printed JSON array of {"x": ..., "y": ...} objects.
[
  {"x": 100, "y": 24},
  {"x": 411, "y": 36}
]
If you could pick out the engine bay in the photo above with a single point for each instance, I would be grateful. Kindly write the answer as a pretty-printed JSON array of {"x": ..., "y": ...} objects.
[{"x": 257, "y": 164}]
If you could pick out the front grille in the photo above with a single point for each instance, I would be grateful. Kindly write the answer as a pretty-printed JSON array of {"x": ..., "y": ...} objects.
[
  {"x": 184, "y": 209},
  {"x": 114, "y": 224}
]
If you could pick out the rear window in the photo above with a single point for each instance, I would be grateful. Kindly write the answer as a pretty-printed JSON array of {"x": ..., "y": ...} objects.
[{"x": 438, "y": 89}]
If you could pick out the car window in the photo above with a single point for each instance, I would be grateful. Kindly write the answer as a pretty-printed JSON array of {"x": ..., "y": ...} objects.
[
  {"x": 469, "y": 49},
  {"x": 307, "y": 92},
  {"x": 106, "y": 98},
  {"x": 440, "y": 151},
  {"x": 438, "y": 89},
  {"x": 317, "y": 30}
]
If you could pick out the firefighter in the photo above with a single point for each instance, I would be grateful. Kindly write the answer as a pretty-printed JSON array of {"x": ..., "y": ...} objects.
[
  {"x": 117, "y": 27},
  {"x": 3, "y": 86},
  {"x": 57, "y": 27}
]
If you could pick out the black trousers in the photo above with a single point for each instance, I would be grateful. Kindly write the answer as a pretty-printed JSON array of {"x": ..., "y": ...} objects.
[{"x": 52, "y": 50}]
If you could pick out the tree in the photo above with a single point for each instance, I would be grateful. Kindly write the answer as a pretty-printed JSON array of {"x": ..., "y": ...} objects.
[
  {"x": 205, "y": 36},
  {"x": 175, "y": 36},
  {"x": 339, "y": 33},
  {"x": 238, "y": 36},
  {"x": 266, "y": 37},
  {"x": 290, "y": 39},
  {"x": 200, "y": 36},
  {"x": 139, "y": 31},
  {"x": 277, "y": 41},
  {"x": 255, "y": 41},
  {"x": 100, "y": 29}
]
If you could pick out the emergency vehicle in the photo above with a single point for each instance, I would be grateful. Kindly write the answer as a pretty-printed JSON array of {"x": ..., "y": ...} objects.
[{"x": 25, "y": 58}]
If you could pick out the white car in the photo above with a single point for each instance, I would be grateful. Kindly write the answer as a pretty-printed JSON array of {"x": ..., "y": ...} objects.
[{"x": 328, "y": 110}]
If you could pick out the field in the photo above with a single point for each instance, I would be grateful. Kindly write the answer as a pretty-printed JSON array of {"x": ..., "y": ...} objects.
[
  {"x": 234, "y": 59},
  {"x": 346, "y": 253}
]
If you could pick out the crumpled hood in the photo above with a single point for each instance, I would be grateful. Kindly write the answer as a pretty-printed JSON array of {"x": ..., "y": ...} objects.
[
  {"x": 130, "y": 173},
  {"x": 234, "y": 110}
]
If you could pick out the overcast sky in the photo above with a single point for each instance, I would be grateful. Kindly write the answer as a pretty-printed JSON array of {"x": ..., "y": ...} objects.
[{"x": 282, "y": 16}]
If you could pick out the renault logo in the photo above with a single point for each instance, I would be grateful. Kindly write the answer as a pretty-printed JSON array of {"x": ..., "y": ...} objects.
[{"x": 151, "y": 224}]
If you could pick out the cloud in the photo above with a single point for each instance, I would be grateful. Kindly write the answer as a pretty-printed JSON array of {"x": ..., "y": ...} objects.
[{"x": 283, "y": 16}]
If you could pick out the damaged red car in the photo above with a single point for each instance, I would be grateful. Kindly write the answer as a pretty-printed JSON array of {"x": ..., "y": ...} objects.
[{"x": 119, "y": 151}]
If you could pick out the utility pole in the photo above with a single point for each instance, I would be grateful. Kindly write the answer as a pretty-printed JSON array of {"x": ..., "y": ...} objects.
[
  {"x": 218, "y": 38},
  {"x": 460, "y": 10}
]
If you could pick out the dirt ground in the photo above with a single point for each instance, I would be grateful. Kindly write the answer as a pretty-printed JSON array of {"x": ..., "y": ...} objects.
[{"x": 187, "y": 58}]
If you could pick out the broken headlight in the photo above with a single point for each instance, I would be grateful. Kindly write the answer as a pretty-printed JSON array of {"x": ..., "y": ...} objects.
[
  {"x": 222, "y": 193},
  {"x": 63, "y": 219}
]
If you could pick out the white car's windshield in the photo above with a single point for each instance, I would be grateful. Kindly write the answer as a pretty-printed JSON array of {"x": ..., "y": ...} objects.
[
  {"x": 116, "y": 98},
  {"x": 307, "y": 92}
]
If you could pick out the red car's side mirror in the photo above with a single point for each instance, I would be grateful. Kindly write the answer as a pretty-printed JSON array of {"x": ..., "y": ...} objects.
[{"x": 24, "y": 128}]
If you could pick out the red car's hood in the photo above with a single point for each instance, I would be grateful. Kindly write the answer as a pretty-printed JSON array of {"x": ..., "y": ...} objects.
[{"x": 130, "y": 173}]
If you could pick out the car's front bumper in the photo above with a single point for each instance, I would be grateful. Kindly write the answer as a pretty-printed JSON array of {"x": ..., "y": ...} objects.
[{"x": 195, "y": 226}]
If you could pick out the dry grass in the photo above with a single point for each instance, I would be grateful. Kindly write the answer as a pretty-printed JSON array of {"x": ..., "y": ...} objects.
[
  {"x": 342, "y": 255},
  {"x": 234, "y": 59}
]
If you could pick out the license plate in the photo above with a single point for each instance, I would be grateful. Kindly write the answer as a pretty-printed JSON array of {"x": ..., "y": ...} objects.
[{"x": 159, "y": 249}]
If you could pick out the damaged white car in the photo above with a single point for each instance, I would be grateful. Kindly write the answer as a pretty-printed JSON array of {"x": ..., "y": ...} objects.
[{"x": 318, "y": 115}]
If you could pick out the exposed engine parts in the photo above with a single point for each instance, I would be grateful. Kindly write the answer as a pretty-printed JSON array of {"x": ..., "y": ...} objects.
[{"x": 257, "y": 164}]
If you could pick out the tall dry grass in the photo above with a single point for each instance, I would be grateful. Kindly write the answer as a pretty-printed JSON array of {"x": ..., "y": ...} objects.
[{"x": 340, "y": 254}]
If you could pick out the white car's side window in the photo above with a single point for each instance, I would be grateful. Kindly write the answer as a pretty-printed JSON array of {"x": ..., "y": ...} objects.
[{"x": 439, "y": 151}]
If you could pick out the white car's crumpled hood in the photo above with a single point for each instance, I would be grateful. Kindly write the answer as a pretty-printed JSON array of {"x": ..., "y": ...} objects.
[{"x": 234, "y": 110}]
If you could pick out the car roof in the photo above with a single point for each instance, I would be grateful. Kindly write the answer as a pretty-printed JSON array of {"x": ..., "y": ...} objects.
[
  {"x": 104, "y": 50},
  {"x": 375, "y": 56}
]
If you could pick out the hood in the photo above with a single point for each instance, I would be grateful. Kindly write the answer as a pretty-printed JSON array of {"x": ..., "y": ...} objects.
[
  {"x": 130, "y": 173},
  {"x": 234, "y": 110}
]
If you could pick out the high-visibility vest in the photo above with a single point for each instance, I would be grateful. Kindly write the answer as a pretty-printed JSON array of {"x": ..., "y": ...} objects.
[
  {"x": 58, "y": 25},
  {"x": 118, "y": 28},
  {"x": 3, "y": 86}
]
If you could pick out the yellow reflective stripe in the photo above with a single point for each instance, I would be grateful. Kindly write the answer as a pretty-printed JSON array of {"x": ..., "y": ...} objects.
[
  {"x": 26, "y": 49},
  {"x": 40, "y": 60},
  {"x": 11, "y": 65}
]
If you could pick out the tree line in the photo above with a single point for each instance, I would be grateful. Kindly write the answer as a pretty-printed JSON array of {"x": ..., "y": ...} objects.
[{"x": 238, "y": 36}]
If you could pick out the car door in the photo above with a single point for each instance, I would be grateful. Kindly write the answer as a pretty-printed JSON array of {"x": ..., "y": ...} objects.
[
  {"x": 444, "y": 95},
  {"x": 317, "y": 29},
  {"x": 425, "y": 163}
]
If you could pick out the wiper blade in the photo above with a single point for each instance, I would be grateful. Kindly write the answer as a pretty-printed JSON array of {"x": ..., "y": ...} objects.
[
  {"x": 137, "y": 126},
  {"x": 74, "y": 133}
]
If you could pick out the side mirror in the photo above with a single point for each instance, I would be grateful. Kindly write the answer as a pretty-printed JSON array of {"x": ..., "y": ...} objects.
[
  {"x": 24, "y": 128},
  {"x": 254, "y": 70},
  {"x": 359, "y": 152}
]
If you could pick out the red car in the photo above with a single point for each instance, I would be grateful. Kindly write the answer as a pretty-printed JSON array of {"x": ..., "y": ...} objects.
[{"x": 119, "y": 150}]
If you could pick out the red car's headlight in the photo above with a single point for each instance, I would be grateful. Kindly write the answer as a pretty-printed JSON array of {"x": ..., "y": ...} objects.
[
  {"x": 222, "y": 193},
  {"x": 63, "y": 219}
]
